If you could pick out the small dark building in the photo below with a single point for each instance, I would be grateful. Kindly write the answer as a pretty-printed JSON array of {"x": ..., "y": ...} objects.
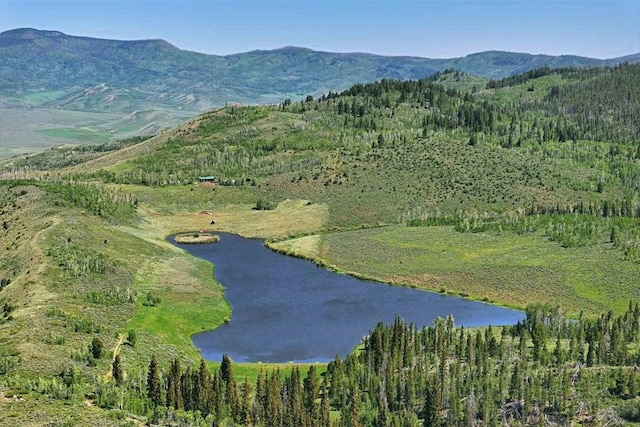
[{"x": 207, "y": 180}]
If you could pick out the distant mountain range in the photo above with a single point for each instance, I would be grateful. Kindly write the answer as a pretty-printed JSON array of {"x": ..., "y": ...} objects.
[{"x": 125, "y": 76}]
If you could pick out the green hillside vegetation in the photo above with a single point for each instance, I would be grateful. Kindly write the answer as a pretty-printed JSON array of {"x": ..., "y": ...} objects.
[
  {"x": 547, "y": 157},
  {"x": 514, "y": 191},
  {"x": 47, "y": 75}
]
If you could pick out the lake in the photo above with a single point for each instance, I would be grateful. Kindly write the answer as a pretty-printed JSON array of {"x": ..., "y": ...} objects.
[{"x": 287, "y": 309}]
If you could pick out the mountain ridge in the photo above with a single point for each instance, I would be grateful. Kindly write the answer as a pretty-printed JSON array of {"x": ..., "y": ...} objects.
[
  {"x": 55, "y": 33},
  {"x": 35, "y": 59}
]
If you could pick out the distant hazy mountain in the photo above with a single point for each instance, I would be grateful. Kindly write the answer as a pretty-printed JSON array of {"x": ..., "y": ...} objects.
[{"x": 125, "y": 76}]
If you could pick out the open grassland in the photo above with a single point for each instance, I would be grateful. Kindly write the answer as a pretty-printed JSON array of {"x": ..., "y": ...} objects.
[
  {"x": 177, "y": 284},
  {"x": 170, "y": 210},
  {"x": 84, "y": 135},
  {"x": 32, "y": 130},
  {"x": 508, "y": 268}
]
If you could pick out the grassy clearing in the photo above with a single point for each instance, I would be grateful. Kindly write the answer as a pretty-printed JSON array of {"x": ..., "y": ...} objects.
[
  {"x": 508, "y": 269},
  {"x": 250, "y": 371},
  {"x": 306, "y": 246},
  {"x": 177, "y": 285},
  {"x": 289, "y": 218}
]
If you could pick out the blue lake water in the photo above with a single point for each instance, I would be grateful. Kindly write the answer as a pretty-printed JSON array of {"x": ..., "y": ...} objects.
[{"x": 288, "y": 309}]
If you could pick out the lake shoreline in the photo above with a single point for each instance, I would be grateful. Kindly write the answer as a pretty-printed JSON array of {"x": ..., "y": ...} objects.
[
  {"x": 331, "y": 267},
  {"x": 279, "y": 301}
]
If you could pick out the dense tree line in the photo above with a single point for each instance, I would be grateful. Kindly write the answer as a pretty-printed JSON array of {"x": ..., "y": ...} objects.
[
  {"x": 521, "y": 78},
  {"x": 596, "y": 104},
  {"x": 547, "y": 369}
]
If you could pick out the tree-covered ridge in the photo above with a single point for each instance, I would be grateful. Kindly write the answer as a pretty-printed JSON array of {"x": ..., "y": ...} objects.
[
  {"x": 547, "y": 370},
  {"x": 573, "y": 105},
  {"x": 596, "y": 104}
]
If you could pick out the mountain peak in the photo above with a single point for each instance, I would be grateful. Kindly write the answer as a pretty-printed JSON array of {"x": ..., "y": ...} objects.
[
  {"x": 30, "y": 33},
  {"x": 294, "y": 49},
  {"x": 27, "y": 34}
]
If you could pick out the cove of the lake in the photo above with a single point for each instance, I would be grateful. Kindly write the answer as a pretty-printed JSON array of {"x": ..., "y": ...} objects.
[{"x": 286, "y": 309}]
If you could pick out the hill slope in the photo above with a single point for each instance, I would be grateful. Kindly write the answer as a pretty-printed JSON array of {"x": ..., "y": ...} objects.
[{"x": 551, "y": 154}]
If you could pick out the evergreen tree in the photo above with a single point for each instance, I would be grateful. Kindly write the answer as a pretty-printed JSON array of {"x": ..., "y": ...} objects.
[
  {"x": 174, "y": 387},
  {"x": 204, "y": 389},
  {"x": 311, "y": 391},
  {"x": 245, "y": 410},
  {"x": 117, "y": 370},
  {"x": 633, "y": 387},
  {"x": 351, "y": 415},
  {"x": 432, "y": 410},
  {"x": 324, "y": 419},
  {"x": 96, "y": 348},
  {"x": 154, "y": 385},
  {"x": 232, "y": 400}
]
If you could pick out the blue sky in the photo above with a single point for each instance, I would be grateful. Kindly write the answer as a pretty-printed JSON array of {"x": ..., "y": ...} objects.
[{"x": 600, "y": 29}]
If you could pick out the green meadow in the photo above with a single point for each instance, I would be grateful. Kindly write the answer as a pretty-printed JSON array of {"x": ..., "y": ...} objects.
[
  {"x": 507, "y": 269},
  {"x": 75, "y": 135}
]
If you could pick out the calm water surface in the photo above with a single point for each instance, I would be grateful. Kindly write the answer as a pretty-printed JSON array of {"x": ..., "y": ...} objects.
[{"x": 288, "y": 309}]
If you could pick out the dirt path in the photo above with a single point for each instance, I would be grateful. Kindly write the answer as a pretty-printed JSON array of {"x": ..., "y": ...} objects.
[{"x": 116, "y": 350}]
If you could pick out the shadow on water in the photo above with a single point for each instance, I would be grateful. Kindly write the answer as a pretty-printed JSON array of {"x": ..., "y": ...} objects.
[{"x": 288, "y": 309}]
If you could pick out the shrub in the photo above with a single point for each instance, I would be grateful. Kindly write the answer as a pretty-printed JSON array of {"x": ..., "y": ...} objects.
[
  {"x": 96, "y": 348},
  {"x": 132, "y": 337},
  {"x": 264, "y": 205},
  {"x": 152, "y": 300}
]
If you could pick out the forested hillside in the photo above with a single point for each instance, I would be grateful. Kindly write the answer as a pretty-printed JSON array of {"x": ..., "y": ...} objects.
[
  {"x": 548, "y": 370},
  {"x": 57, "y": 88},
  {"x": 394, "y": 151}
]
